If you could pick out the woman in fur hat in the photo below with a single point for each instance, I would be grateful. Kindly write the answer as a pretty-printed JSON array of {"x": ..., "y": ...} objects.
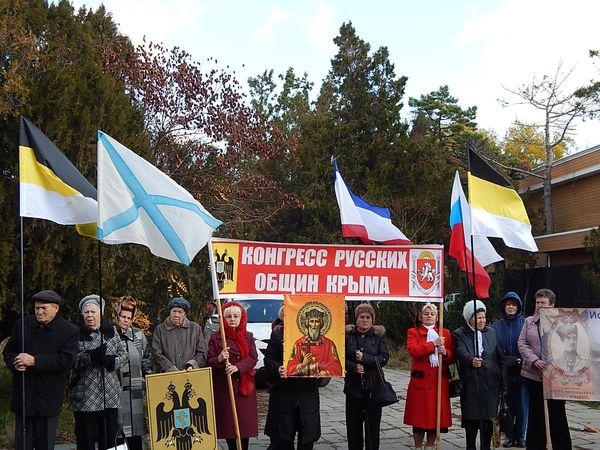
[
  {"x": 365, "y": 349},
  {"x": 425, "y": 345}
]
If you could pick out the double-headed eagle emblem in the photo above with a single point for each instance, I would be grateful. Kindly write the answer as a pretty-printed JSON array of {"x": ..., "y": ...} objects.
[
  {"x": 183, "y": 425},
  {"x": 224, "y": 266}
]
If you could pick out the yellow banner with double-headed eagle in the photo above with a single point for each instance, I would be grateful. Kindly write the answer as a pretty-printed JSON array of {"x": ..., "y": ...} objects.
[{"x": 181, "y": 410}]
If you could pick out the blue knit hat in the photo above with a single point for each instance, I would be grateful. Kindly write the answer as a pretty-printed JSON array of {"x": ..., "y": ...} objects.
[{"x": 179, "y": 302}]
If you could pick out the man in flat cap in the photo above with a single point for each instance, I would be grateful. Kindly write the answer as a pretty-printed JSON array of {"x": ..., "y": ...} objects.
[
  {"x": 44, "y": 361},
  {"x": 570, "y": 362},
  {"x": 178, "y": 342}
]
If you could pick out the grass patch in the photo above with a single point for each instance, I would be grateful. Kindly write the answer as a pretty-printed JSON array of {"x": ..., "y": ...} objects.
[
  {"x": 7, "y": 418},
  {"x": 399, "y": 357},
  {"x": 66, "y": 427}
]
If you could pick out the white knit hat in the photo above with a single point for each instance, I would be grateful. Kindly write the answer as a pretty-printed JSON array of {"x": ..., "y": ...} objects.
[
  {"x": 93, "y": 299},
  {"x": 468, "y": 310}
]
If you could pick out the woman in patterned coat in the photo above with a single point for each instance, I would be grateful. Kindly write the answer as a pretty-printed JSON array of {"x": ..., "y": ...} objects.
[
  {"x": 94, "y": 388},
  {"x": 133, "y": 372}
]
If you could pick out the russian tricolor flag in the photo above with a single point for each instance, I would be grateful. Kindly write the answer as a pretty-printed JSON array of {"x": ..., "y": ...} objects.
[
  {"x": 460, "y": 242},
  {"x": 364, "y": 221}
]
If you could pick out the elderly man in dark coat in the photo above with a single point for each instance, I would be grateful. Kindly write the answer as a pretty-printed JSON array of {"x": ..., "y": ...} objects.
[
  {"x": 44, "y": 361},
  {"x": 293, "y": 402}
]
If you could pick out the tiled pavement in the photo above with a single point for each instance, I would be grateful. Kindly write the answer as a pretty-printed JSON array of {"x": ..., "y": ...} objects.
[{"x": 395, "y": 435}]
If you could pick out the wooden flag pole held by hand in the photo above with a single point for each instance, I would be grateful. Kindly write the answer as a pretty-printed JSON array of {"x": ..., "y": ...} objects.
[
  {"x": 547, "y": 425},
  {"x": 438, "y": 418},
  {"x": 238, "y": 440}
]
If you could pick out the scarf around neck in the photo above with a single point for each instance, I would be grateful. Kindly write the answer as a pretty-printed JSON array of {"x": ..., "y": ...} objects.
[
  {"x": 238, "y": 336},
  {"x": 432, "y": 335},
  {"x": 479, "y": 341}
]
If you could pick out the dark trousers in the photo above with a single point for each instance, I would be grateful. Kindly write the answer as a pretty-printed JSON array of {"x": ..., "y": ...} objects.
[
  {"x": 484, "y": 426},
  {"x": 518, "y": 404},
  {"x": 356, "y": 416},
  {"x": 277, "y": 444},
  {"x": 90, "y": 428},
  {"x": 133, "y": 442},
  {"x": 41, "y": 432},
  {"x": 557, "y": 417},
  {"x": 232, "y": 444}
]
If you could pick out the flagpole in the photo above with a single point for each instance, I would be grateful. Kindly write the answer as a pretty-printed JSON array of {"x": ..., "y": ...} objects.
[
  {"x": 469, "y": 146},
  {"x": 467, "y": 271},
  {"x": 22, "y": 280},
  {"x": 102, "y": 381},
  {"x": 438, "y": 421},
  {"x": 476, "y": 340},
  {"x": 474, "y": 295}
]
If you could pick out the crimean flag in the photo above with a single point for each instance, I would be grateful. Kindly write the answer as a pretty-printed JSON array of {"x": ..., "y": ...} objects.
[
  {"x": 137, "y": 203},
  {"x": 496, "y": 208},
  {"x": 50, "y": 186},
  {"x": 362, "y": 220},
  {"x": 481, "y": 254}
]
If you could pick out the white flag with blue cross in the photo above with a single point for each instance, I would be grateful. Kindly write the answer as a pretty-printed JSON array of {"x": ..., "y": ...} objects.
[{"x": 137, "y": 203}]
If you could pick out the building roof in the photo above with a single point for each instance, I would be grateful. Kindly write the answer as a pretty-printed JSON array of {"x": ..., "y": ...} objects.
[{"x": 572, "y": 167}]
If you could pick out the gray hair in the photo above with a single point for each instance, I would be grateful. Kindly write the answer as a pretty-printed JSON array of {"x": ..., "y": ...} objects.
[{"x": 232, "y": 308}]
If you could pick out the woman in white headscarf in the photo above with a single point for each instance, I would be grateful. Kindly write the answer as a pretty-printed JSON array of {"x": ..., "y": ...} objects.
[
  {"x": 482, "y": 369},
  {"x": 424, "y": 344}
]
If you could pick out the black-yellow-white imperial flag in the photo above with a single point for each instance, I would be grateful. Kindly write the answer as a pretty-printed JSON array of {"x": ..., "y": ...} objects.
[{"x": 50, "y": 186}]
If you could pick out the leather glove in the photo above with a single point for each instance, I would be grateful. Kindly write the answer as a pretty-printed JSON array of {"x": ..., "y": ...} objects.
[
  {"x": 97, "y": 355},
  {"x": 108, "y": 361}
]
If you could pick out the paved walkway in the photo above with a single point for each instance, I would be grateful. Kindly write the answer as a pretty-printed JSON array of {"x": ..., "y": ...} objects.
[{"x": 395, "y": 435}]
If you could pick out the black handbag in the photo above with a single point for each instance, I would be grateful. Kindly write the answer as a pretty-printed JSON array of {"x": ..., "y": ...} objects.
[
  {"x": 383, "y": 394},
  {"x": 514, "y": 364},
  {"x": 122, "y": 446},
  {"x": 455, "y": 385}
]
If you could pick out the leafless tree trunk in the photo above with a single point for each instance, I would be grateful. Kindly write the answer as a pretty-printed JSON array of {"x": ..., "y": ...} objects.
[{"x": 559, "y": 110}]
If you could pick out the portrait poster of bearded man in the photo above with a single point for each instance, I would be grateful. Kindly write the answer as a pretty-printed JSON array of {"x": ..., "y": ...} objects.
[{"x": 314, "y": 335}]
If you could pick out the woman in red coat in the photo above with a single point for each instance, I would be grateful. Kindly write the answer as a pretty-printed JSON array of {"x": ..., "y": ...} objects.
[
  {"x": 241, "y": 353},
  {"x": 424, "y": 345}
]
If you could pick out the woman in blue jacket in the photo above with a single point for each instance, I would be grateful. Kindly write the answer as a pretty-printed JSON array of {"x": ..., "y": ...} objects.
[{"x": 508, "y": 330}]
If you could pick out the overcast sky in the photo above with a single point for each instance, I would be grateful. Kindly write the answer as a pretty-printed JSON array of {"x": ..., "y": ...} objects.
[{"x": 475, "y": 47}]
